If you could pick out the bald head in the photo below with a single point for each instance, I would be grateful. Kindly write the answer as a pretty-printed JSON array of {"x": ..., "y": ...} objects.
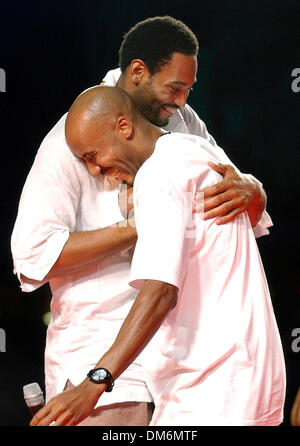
[
  {"x": 95, "y": 109},
  {"x": 105, "y": 129},
  {"x": 100, "y": 101}
]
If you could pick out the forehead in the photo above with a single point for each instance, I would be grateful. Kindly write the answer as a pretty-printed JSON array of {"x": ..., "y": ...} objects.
[
  {"x": 181, "y": 69},
  {"x": 86, "y": 136}
]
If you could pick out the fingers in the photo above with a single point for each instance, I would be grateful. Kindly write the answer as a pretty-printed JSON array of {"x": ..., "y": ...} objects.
[
  {"x": 224, "y": 213},
  {"x": 42, "y": 417},
  {"x": 230, "y": 180},
  {"x": 229, "y": 217},
  {"x": 53, "y": 419},
  {"x": 223, "y": 207},
  {"x": 220, "y": 168},
  {"x": 227, "y": 199},
  {"x": 230, "y": 198},
  {"x": 52, "y": 414},
  {"x": 218, "y": 188},
  {"x": 65, "y": 419}
]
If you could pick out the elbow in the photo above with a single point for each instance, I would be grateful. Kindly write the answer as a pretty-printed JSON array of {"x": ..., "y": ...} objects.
[
  {"x": 159, "y": 297},
  {"x": 168, "y": 295},
  {"x": 172, "y": 296}
]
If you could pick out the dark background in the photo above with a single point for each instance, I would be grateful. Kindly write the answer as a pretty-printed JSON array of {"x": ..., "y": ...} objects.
[{"x": 52, "y": 50}]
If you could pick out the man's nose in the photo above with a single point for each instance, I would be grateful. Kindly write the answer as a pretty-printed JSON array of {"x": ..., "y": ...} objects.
[
  {"x": 93, "y": 168},
  {"x": 181, "y": 98}
]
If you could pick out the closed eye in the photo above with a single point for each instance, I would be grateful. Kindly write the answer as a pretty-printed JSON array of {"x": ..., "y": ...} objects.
[
  {"x": 175, "y": 90},
  {"x": 89, "y": 157}
]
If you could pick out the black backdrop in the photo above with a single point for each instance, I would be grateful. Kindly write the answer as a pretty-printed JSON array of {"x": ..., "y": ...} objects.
[{"x": 52, "y": 50}]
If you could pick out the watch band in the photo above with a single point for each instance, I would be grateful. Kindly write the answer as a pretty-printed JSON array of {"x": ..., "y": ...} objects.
[{"x": 103, "y": 376}]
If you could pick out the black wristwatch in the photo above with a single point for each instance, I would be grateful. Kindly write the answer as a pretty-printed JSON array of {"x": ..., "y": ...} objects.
[{"x": 100, "y": 376}]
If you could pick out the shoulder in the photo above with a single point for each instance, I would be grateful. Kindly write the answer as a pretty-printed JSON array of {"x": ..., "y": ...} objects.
[
  {"x": 177, "y": 147},
  {"x": 55, "y": 140},
  {"x": 191, "y": 118},
  {"x": 54, "y": 149},
  {"x": 195, "y": 125},
  {"x": 54, "y": 161},
  {"x": 111, "y": 78},
  {"x": 177, "y": 159}
]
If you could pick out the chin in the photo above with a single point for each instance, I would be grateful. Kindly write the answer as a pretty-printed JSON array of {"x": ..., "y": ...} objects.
[
  {"x": 113, "y": 174},
  {"x": 160, "y": 122}
]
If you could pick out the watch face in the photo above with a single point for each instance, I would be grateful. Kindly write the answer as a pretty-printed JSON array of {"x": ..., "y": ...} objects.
[{"x": 99, "y": 375}]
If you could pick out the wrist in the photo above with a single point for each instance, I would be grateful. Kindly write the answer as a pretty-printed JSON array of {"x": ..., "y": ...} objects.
[
  {"x": 257, "y": 204},
  {"x": 101, "y": 375},
  {"x": 91, "y": 390}
]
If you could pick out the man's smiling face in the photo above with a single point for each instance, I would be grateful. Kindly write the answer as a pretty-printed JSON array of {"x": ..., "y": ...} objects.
[
  {"x": 159, "y": 95},
  {"x": 105, "y": 155},
  {"x": 97, "y": 142}
]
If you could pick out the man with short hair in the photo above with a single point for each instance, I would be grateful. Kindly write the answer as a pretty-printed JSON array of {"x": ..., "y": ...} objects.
[
  {"x": 70, "y": 231},
  {"x": 158, "y": 67},
  {"x": 203, "y": 313}
]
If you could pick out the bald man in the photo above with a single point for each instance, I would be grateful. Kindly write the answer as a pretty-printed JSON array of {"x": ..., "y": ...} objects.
[
  {"x": 83, "y": 128},
  {"x": 194, "y": 278}
]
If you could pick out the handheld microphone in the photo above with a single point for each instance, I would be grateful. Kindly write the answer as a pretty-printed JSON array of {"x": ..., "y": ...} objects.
[{"x": 34, "y": 398}]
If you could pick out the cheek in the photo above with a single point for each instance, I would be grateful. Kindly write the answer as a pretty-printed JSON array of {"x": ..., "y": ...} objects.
[
  {"x": 150, "y": 96},
  {"x": 107, "y": 156},
  {"x": 159, "y": 96}
]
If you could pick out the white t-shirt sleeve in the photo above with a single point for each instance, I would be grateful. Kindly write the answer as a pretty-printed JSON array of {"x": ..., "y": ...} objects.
[
  {"x": 46, "y": 215},
  {"x": 162, "y": 248}
]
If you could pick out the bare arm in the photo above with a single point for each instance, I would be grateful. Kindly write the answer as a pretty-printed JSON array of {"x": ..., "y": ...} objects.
[
  {"x": 149, "y": 310},
  {"x": 87, "y": 247}
]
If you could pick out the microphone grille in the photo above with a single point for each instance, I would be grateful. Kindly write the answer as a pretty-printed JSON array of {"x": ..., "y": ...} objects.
[{"x": 33, "y": 393}]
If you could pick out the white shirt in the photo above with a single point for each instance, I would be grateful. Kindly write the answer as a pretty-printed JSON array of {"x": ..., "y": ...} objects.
[
  {"x": 217, "y": 358},
  {"x": 87, "y": 308}
]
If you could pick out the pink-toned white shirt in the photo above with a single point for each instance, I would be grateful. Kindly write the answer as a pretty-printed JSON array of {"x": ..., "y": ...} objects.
[{"x": 217, "y": 358}]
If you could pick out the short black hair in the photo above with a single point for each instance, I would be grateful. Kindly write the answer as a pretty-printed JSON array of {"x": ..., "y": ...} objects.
[{"x": 154, "y": 40}]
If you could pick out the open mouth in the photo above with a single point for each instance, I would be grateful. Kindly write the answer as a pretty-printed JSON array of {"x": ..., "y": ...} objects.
[
  {"x": 169, "y": 109},
  {"x": 113, "y": 172}
]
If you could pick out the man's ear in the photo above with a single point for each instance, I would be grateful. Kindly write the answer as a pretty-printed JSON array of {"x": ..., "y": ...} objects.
[
  {"x": 138, "y": 70},
  {"x": 124, "y": 127}
]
